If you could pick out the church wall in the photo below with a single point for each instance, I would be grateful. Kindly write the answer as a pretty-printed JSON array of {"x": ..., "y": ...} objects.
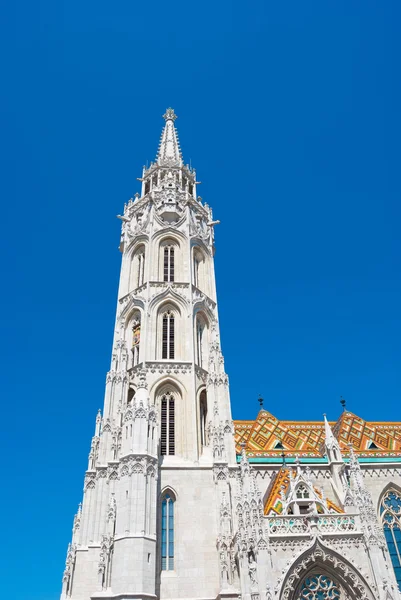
[{"x": 196, "y": 529}]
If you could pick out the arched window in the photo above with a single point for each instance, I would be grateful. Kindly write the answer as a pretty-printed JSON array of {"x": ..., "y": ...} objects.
[
  {"x": 319, "y": 587},
  {"x": 198, "y": 268},
  {"x": 130, "y": 396},
  {"x": 168, "y": 335},
  {"x": 390, "y": 511},
  {"x": 203, "y": 416},
  {"x": 136, "y": 340},
  {"x": 167, "y": 433},
  {"x": 200, "y": 331},
  {"x": 302, "y": 491},
  {"x": 137, "y": 277},
  {"x": 195, "y": 264},
  {"x": 140, "y": 258},
  {"x": 168, "y": 262},
  {"x": 167, "y": 538}
]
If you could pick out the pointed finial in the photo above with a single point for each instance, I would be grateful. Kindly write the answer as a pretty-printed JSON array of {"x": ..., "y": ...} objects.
[
  {"x": 342, "y": 402},
  {"x": 283, "y": 457},
  {"x": 98, "y": 422},
  {"x": 260, "y": 400},
  {"x": 170, "y": 115}
]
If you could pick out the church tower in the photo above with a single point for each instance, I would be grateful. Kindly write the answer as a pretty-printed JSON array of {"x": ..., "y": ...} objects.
[{"x": 163, "y": 449}]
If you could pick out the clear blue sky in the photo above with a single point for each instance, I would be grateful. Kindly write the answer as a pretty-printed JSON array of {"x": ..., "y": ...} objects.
[{"x": 290, "y": 111}]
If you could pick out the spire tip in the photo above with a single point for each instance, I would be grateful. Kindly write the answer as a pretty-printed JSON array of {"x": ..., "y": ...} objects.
[{"x": 170, "y": 115}]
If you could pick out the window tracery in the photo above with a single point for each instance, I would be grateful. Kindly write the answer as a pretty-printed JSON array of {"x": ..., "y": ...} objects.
[
  {"x": 390, "y": 511},
  {"x": 319, "y": 587},
  {"x": 302, "y": 491}
]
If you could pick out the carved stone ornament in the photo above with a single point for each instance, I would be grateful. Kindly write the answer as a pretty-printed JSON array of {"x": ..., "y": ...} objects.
[{"x": 347, "y": 576}]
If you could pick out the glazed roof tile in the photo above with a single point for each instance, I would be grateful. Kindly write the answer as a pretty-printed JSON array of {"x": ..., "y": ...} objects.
[{"x": 267, "y": 436}]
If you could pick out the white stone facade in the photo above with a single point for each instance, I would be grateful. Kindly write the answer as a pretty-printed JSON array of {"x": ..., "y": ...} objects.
[{"x": 164, "y": 442}]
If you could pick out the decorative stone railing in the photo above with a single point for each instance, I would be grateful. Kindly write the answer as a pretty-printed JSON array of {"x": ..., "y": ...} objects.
[
  {"x": 337, "y": 523},
  {"x": 288, "y": 525},
  {"x": 306, "y": 524}
]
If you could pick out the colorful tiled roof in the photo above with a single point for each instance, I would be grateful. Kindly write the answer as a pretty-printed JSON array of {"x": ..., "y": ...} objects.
[{"x": 268, "y": 437}]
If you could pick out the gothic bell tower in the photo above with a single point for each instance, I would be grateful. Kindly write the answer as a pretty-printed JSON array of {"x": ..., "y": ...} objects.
[{"x": 163, "y": 445}]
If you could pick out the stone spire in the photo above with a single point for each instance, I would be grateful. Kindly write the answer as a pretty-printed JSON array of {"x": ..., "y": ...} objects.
[
  {"x": 332, "y": 446},
  {"x": 169, "y": 152}
]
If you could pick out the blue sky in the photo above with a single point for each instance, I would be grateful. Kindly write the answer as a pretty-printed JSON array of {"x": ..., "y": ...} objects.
[{"x": 290, "y": 112}]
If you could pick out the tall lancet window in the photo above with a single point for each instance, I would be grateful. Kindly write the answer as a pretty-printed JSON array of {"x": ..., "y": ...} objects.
[
  {"x": 167, "y": 541},
  {"x": 167, "y": 434},
  {"x": 168, "y": 335},
  {"x": 390, "y": 511},
  {"x": 196, "y": 261},
  {"x": 140, "y": 257},
  {"x": 136, "y": 340},
  {"x": 201, "y": 340},
  {"x": 203, "y": 416},
  {"x": 137, "y": 269},
  {"x": 168, "y": 263}
]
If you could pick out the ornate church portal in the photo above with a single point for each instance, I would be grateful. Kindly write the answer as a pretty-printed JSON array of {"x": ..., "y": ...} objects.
[{"x": 180, "y": 502}]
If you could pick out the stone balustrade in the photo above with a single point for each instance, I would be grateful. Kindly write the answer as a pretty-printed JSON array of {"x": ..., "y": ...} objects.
[{"x": 306, "y": 524}]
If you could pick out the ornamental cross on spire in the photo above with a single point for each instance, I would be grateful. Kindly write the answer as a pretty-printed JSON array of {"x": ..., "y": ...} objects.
[{"x": 170, "y": 115}]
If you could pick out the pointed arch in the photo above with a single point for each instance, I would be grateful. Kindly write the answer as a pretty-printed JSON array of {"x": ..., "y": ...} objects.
[
  {"x": 168, "y": 489},
  {"x": 132, "y": 304},
  {"x": 168, "y": 250},
  {"x": 137, "y": 266},
  {"x": 389, "y": 486},
  {"x": 390, "y": 517},
  {"x": 200, "y": 258},
  {"x": 319, "y": 560}
]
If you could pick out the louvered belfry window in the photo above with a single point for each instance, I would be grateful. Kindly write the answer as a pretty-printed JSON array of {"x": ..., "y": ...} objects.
[
  {"x": 167, "y": 437},
  {"x": 168, "y": 335},
  {"x": 168, "y": 265}
]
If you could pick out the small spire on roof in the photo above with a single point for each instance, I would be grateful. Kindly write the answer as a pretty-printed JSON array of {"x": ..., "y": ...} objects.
[
  {"x": 332, "y": 446},
  {"x": 342, "y": 402},
  {"x": 260, "y": 400}
]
